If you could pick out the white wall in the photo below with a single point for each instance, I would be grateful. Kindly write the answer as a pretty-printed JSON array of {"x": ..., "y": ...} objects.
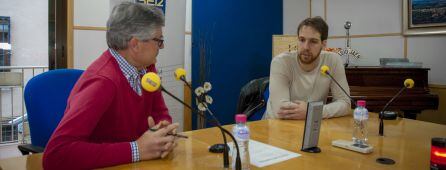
[
  {"x": 430, "y": 51},
  {"x": 373, "y": 48},
  {"x": 188, "y": 41},
  {"x": 371, "y": 17},
  {"x": 367, "y": 17},
  {"x": 90, "y": 44},
  {"x": 317, "y": 8},
  {"x": 294, "y": 11},
  {"x": 87, "y": 46},
  {"x": 359, "y": 13}
]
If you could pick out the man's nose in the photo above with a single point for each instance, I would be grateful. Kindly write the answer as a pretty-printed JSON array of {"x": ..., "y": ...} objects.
[{"x": 305, "y": 45}]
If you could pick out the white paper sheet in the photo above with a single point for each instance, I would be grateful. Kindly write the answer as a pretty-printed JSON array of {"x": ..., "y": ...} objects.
[{"x": 262, "y": 154}]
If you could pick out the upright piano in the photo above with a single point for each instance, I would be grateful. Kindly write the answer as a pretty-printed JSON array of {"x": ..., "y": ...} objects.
[{"x": 377, "y": 85}]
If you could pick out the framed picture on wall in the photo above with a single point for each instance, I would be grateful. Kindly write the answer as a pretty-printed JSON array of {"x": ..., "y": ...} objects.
[{"x": 424, "y": 17}]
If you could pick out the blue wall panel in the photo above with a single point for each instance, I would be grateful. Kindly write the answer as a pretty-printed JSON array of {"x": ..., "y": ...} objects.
[{"x": 236, "y": 38}]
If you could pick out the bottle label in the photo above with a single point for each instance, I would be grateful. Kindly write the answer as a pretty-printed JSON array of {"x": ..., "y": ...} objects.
[
  {"x": 361, "y": 114},
  {"x": 242, "y": 134}
]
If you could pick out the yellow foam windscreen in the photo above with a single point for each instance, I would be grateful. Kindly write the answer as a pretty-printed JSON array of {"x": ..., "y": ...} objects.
[
  {"x": 151, "y": 82},
  {"x": 409, "y": 83},
  {"x": 325, "y": 69},
  {"x": 179, "y": 72}
]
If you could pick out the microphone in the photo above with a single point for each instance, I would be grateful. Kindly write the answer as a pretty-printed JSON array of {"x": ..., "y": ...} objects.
[
  {"x": 151, "y": 82},
  {"x": 347, "y": 48},
  {"x": 347, "y": 25},
  {"x": 325, "y": 70},
  {"x": 180, "y": 74},
  {"x": 408, "y": 83}
]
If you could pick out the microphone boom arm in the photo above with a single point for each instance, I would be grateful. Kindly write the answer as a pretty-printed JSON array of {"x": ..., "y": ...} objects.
[
  {"x": 393, "y": 98},
  {"x": 381, "y": 114},
  {"x": 185, "y": 82},
  {"x": 332, "y": 78},
  {"x": 249, "y": 112},
  {"x": 176, "y": 98},
  {"x": 188, "y": 106}
]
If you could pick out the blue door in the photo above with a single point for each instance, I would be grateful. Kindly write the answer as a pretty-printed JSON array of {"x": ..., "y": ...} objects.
[{"x": 231, "y": 45}]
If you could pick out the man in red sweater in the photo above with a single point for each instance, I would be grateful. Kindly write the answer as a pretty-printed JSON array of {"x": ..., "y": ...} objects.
[{"x": 108, "y": 115}]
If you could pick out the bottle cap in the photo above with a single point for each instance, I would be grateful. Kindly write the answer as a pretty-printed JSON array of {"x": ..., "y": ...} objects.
[
  {"x": 240, "y": 118},
  {"x": 360, "y": 103}
]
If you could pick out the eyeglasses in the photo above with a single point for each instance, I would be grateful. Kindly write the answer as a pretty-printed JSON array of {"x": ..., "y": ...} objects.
[{"x": 160, "y": 42}]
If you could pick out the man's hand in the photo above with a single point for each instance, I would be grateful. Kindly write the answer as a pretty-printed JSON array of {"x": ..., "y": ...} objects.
[
  {"x": 160, "y": 124},
  {"x": 158, "y": 144},
  {"x": 293, "y": 110}
]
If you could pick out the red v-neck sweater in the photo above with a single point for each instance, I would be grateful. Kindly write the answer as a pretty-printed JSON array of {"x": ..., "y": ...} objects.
[{"x": 103, "y": 115}]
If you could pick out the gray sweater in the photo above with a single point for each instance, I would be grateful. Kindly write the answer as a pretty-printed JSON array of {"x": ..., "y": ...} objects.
[{"x": 288, "y": 82}]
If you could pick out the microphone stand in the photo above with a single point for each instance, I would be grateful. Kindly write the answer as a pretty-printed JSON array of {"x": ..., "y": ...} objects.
[
  {"x": 347, "y": 27},
  {"x": 382, "y": 115},
  {"x": 383, "y": 160},
  {"x": 238, "y": 164}
]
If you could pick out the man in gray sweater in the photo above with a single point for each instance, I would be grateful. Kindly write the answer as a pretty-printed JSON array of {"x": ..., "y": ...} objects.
[{"x": 295, "y": 77}]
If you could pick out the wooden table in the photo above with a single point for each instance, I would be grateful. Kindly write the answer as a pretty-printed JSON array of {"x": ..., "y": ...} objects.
[{"x": 406, "y": 141}]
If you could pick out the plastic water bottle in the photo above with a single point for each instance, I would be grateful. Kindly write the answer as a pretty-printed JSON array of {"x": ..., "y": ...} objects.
[
  {"x": 360, "y": 117},
  {"x": 241, "y": 134}
]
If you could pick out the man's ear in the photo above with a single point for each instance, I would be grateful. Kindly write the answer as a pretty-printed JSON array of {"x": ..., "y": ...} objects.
[
  {"x": 324, "y": 43},
  {"x": 133, "y": 44}
]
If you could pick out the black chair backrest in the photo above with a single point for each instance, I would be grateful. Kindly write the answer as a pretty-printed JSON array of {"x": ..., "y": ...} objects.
[{"x": 251, "y": 96}]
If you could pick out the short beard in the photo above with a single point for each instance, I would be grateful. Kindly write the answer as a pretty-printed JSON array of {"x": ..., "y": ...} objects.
[{"x": 313, "y": 58}]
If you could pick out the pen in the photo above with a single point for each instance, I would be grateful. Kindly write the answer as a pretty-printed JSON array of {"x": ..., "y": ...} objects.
[{"x": 176, "y": 135}]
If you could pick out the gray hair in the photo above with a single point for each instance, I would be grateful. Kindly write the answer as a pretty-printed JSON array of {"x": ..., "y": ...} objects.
[{"x": 129, "y": 20}]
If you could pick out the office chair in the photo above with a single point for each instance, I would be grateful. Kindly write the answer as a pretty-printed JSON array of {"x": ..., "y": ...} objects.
[
  {"x": 252, "y": 99},
  {"x": 46, "y": 98}
]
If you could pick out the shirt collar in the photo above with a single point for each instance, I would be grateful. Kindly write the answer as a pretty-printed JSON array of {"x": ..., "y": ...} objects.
[{"x": 127, "y": 69}]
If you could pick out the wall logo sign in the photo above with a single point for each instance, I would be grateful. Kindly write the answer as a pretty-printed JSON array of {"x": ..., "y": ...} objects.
[{"x": 158, "y": 3}]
